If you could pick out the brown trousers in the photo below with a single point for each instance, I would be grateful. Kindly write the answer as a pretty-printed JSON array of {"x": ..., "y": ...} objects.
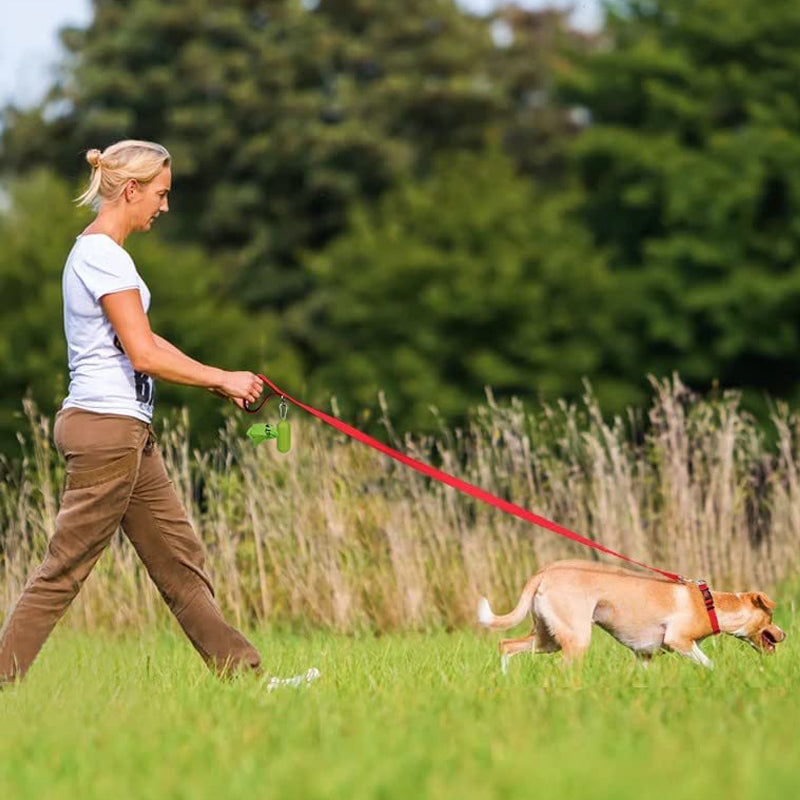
[{"x": 116, "y": 476}]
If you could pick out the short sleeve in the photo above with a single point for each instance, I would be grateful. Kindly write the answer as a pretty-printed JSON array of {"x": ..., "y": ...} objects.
[{"x": 105, "y": 268}]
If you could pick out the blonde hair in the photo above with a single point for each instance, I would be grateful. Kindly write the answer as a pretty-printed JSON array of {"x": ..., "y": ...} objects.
[{"x": 119, "y": 163}]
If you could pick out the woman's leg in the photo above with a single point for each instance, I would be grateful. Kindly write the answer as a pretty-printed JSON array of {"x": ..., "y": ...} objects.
[
  {"x": 156, "y": 524},
  {"x": 102, "y": 453}
]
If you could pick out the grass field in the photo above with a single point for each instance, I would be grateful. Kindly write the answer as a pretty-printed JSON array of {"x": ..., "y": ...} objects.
[{"x": 399, "y": 716}]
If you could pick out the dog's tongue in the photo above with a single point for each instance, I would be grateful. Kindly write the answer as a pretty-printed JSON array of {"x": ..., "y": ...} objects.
[{"x": 768, "y": 640}]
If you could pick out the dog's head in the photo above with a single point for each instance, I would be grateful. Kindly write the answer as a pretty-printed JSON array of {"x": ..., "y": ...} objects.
[{"x": 759, "y": 630}]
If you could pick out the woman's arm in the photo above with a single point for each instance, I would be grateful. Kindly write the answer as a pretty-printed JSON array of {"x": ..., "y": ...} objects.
[
  {"x": 125, "y": 312},
  {"x": 162, "y": 342},
  {"x": 147, "y": 354}
]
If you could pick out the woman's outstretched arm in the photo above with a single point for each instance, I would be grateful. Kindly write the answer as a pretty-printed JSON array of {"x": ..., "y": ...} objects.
[
  {"x": 125, "y": 312},
  {"x": 167, "y": 345}
]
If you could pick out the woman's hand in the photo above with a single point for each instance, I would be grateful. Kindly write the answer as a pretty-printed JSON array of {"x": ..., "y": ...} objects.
[{"x": 240, "y": 387}]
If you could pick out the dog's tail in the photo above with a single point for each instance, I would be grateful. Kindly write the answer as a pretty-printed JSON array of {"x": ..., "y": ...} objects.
[{"x": 487, "y": 617}]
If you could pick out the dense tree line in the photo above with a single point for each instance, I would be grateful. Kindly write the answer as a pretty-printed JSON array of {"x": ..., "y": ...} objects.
[{"x": 405, "y": 196}]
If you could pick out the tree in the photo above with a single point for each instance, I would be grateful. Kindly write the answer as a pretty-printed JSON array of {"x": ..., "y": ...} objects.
[
  {"x": 278, "y": 115},
  {"x": 465, "y": 280},
  {"x": 691, "y": 169},
  {"x": 532, "y": 47}
]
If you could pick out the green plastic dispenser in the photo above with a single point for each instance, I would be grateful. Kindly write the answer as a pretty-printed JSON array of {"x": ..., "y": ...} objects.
[{"x": 282, "y": 432}]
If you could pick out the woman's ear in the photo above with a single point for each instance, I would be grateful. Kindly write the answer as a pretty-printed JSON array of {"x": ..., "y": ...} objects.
[{"x": 130, "y": 189}]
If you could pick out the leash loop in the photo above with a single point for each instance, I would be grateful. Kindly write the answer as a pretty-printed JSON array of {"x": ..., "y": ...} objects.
[{"x": 246, "y": 405}]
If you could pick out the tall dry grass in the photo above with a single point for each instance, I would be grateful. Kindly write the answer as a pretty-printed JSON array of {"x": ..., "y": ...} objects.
[{"x": 339, "y": 536}]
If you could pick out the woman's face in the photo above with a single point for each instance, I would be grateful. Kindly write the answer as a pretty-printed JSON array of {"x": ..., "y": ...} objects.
[{"x": 148, "y": 200}]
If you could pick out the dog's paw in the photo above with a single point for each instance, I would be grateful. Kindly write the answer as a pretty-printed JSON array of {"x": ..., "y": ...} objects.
[{"x": 485, "y": 615}]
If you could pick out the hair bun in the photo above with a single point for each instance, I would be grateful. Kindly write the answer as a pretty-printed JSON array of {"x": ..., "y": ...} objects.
[{"x": 93, "y": 157}]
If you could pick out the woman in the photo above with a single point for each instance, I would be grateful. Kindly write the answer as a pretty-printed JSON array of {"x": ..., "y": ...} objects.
[{"x": 115, "y": 473}]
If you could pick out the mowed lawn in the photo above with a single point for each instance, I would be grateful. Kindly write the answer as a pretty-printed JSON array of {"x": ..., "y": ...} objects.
[{"x": 399, "y": 716}]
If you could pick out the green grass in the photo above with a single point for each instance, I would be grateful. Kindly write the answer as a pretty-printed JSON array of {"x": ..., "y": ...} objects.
[{"x": 405, "y": 716}]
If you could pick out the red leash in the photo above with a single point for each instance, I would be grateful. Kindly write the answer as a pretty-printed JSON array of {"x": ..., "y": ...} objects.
[{"x": 481, "y": 494}]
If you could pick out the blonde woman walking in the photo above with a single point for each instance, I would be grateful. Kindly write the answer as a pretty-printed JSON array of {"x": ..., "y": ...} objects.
[{"x": 115, "y": 473}]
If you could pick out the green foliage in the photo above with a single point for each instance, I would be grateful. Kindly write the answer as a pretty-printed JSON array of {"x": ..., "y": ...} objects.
[
  {"x": 691, "y": 171},
  {"x": 278, "y": 117},
  {"x": 33, "y": 352},
  {"x": 467, "y": 279}
]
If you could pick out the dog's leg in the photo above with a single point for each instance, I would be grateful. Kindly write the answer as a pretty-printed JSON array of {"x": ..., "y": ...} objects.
[
  {"x": 644, "y": 659},
  {"x": 696, "y": 654},
  {"x": 567, "y": 621},
  {"x": 545, "y": 642},
  {"x": 510, "y": 647},
  {"x": 574, "y": 645},
  {"x": 691, "y": 650},
  {"x": 573, "y": 636}
]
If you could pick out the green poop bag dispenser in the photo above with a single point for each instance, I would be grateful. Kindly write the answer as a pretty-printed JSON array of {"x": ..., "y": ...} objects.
[{"x": 282, "y": 432}]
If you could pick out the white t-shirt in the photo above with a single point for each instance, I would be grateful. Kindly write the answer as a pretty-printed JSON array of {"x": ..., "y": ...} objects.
[{"x": 101, "y": 376}]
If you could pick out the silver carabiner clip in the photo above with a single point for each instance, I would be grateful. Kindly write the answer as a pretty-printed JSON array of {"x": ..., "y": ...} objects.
[{"x": 283, "y": 407}]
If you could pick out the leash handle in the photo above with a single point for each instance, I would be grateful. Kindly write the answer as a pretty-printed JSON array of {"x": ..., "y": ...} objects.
[{"x": 246, "y": 405}]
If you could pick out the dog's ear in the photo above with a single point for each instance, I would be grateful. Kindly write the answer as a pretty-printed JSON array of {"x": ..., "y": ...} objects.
[{"x": 760, "y": 600}]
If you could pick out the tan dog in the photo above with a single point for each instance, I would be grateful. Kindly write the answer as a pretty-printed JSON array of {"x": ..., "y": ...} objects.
[{"x": 645, "y": 613}]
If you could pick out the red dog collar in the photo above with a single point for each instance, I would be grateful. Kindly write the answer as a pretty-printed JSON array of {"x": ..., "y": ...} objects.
[{"x": 709, "y": 601}]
